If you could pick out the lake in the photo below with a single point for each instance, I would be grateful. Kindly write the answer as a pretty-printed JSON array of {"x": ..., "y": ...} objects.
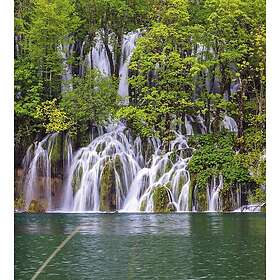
[{"x": 141, "y": 246}]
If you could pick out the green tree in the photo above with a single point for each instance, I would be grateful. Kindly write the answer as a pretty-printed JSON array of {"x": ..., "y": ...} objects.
[{"x": 93, "y": 100}]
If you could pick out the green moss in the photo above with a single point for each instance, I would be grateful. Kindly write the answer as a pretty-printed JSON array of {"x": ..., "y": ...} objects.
[
  {"x": 77, "y": 179},
  {"x": 257, "y": 196},
  {"x": 118, "y": 164},
  {"x": 55, "y": 154},
  {"x": 225, "y": 194},
  {"x": 143, "y": 205},
  {"x": 201, "y": 198},
  {"x": 19, "y": 203},
  {"x": 36, "y": 207},
  {"x": 161, "y": 199},
  {"x": 191, "y": 191},
  {"x": 108, "y": 188}
]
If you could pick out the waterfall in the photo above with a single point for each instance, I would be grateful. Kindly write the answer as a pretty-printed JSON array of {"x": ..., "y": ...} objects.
[
  {"x": 99, "y": 59},
  {"x": 66, "y": 52},
  {"x": 86, "y": 173},
  {"x": 117, "y": 171},
  {"x": 213, "y": 193},
  {"x": 128, "y": 46},
  {"x": 37, "y": 167},
  {"x": 162, "y": 172},
  {"x": 230, "y": 124}
]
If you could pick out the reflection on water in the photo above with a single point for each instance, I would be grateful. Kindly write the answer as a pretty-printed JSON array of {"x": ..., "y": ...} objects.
[{"x": 142, "y": 246}]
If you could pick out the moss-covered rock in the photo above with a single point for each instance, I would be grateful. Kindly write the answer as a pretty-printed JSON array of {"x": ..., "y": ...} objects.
[
  {"x": 143, "y": 205},
  {"x": 19, "y": 203},
  {"x": 201, "y": 199},
  {"x": 191, "y": 192},
  {"x": 161, "y": 199},
  {"x": 108, "y": 188},
  {"x": 36, "y": 207},
  {"x": 226, "y": 196}
]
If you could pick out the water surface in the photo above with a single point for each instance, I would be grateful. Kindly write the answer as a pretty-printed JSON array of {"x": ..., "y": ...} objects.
[{"x": 142, "y": 246}]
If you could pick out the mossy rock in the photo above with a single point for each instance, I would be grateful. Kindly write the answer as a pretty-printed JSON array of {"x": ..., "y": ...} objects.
[
  {"x": 143, "y": 205},
  {"x": 225, "y": 194},
  {"x": 161, "y": 200},
  {"x": 191, "y": 191},
  {"x": 55, "y": 154},
  {"x": 36, "y": 207},
  {"x": 19, "y": 203},
  {"x": 108, "y": 188},
  {"x": 76, "y": 181},
  {"x": 201, "y": 200},
  {"x": 118, "y": 164}
]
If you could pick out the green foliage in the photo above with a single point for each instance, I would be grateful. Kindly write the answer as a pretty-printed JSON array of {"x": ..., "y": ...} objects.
[
  {"x": 138, "y": 119},
  {"x": 186, "y": 60},
  {"x": 94, "y": 99},
  {"x": 258, "y": 196},
  {"x": 213, "y": 156},
  {"x": 19, "y": 203},
  {"x": 52, "y": 118}
]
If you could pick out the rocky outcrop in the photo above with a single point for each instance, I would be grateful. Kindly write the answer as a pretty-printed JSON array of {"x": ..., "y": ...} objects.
[{"x": 108, "y": 188}]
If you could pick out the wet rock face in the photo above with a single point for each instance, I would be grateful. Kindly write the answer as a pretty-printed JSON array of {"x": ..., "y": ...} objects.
[
  {"x": 200, "y": 199},
  {"x": 161, "y": 200},
  {"x": 108, "y": 188},
  {"x": 36, "y": 206}
]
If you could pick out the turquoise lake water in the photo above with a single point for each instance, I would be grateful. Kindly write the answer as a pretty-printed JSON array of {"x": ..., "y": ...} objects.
[{"x": 141, "y": 246}]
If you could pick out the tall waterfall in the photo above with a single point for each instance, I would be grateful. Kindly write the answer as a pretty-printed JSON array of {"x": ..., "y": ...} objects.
[
  {"x": 97, "y": 58},
  {"x": 116, "y": 171},
  {"x": 127, "y": 50}
]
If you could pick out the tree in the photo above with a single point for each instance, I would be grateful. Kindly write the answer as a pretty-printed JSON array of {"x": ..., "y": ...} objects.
[
  {"x": 111, "y": 19},
  {"x": 52, "y": 25},
  {"x": 93, "y": 100}
]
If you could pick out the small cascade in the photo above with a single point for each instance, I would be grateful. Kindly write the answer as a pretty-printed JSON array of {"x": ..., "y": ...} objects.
[
  {"x": 108, "y": 162},
  {"x": 37, "y": 167},
  {"x": 128, "y": 46},
  {"x": 250, "y": 208},
  {"x": 230, "y": 124},
  {"x": 167, "y": 170},
  {"x": 213, "y": 193},
  {"x": 97, "y": 58},
  {"x": 188, "y": 126},
  {"x": 66, "y": 52}
]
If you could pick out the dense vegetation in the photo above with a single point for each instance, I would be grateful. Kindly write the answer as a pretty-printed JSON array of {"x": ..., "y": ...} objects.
[{"x": 200, "y": 57}]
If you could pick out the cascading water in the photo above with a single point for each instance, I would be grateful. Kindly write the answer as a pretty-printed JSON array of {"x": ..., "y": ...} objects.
[
  {"x": 38, "y": 167},
  {"x": 128, "y": 46},
  {"x": 115, "y": 164},
  {"x": 162, "y": 172},
  {"x": 213, "y": 194},
  {"x": 230, "y": 124},
  {"x": 86, "y": 173},
  {"x": 66, "y": 52}
]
